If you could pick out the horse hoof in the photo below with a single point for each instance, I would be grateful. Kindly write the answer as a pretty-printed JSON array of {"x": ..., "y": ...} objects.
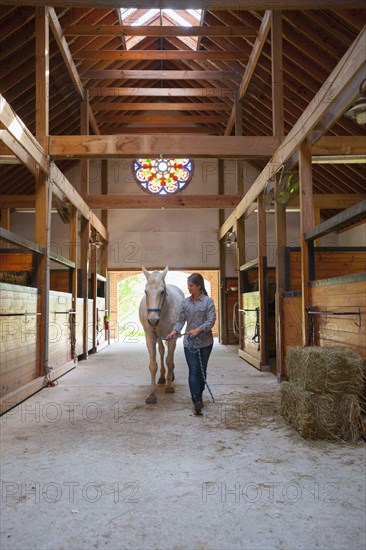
[
  {"x": 150, "y": 401},
  {"x": 169, "y": 389},
  {"x": 161, "y": 380}
]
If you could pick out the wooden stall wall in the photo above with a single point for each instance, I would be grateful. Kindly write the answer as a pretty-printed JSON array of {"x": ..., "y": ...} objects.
[
  {"x": 18, "y": 344},
  {"x": 328, "y": 262},
  {"x": 231, "y": 291},
  {"x": 337, "y": 296}
]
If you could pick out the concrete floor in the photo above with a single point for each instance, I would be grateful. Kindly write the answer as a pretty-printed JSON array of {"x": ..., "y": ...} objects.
[{"x": 88, "y": 465}]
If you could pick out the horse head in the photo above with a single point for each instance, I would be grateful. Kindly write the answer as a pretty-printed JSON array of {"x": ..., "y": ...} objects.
[{"x": 155, "y": 291}]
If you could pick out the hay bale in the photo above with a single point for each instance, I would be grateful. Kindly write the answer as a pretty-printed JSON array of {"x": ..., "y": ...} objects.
[
  {"x": 326, "y": 370},
  {"x": 321, "y": 416}
]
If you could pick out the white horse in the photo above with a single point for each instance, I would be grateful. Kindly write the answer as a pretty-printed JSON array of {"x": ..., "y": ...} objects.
[{"x": 159, "y": 310}]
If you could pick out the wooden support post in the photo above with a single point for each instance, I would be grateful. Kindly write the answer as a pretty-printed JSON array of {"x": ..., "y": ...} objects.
[
  {"x": 223, "y": 324},
  {"x": 84, "y": 248},
  {"x": 43, "y": 192},
  {"x": 84, "y": 129},
  {"x": 94, "y": 286},
  {"x": 85, "y": 233},
  {"x": 5, "y": 223},
  {"x": 306, "y": 223},
  {"x": 317, "y": 221},
  {"x": 277, "y": 75},
  {"x": 73, "y": 248},
  {"x": 263, "y": 285},
  {"x": 104, "y": 189},
  {"x": 239, "y": 229},
  {"x": 280, "y": 233}
]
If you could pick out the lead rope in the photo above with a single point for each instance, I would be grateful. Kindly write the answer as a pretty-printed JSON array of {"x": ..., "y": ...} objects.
[{"x": 194, "y": 345}]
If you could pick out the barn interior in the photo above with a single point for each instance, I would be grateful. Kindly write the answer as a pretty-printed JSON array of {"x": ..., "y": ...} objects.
[{"x": 267, "y": 100}]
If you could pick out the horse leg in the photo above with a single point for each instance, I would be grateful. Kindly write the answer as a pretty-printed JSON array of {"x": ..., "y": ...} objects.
[
  {"x": 162, "y": 366},
  {"x": 151, "y": 346},
  {"x": 170, "y": 367}
]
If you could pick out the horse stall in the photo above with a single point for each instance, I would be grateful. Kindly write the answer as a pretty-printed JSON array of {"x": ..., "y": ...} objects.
[
  {"x": 258, "y": 329},
  {"x": 337, "y": 299}
]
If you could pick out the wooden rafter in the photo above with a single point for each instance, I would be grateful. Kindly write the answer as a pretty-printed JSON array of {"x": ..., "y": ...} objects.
[
  {"x": 134, "y": 74},
  {"x": 141, "y": 30},
  {"x": 347, "y": 76},
  {"x": 160, "y": 55},
  {"x": 251, "y": 65},
  {"x": 197, "y": 4}
]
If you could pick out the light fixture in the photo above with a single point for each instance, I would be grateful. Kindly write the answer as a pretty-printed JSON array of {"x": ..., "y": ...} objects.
[
  {"x": 231, "y": 239},
  {"x": 357, "y": 112}
]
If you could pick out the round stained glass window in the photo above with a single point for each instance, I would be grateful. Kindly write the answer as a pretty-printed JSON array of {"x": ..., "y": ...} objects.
[{"x": 163, "y": 176}]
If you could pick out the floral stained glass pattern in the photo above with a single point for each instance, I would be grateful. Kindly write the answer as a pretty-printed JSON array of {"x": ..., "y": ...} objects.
[{"x": 163, "y": 176}]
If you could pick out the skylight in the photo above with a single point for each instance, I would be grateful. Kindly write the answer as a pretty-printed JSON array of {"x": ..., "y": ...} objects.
[{"x": 167, "y": 17}]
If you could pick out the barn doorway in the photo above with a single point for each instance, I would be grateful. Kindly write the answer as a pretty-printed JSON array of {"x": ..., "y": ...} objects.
[{"x": 126, "y": 290}]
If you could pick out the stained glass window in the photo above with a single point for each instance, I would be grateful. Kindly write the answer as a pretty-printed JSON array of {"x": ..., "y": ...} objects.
[{"x": 163, "y": 176}]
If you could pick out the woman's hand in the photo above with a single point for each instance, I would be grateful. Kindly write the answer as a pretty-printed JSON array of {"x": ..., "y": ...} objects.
[
  {"x": 171, "y": 335},
  {"x": 194, "y": 332}
]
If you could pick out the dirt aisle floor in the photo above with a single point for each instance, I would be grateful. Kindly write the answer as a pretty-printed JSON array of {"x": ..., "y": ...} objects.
[{"x": 88, "y": 465}]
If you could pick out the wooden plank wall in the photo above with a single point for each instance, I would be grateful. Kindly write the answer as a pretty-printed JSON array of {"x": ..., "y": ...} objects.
[
  {"x": 59, "y": 280},
  {"x": 18, "y": 337},
  {"x": 337, "y": 330},
  {"x": 327, "y": 264},
  {"x": 59, "y": 331}
]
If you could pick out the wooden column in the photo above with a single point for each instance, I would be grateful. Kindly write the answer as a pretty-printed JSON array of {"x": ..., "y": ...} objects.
[
  {"x": 73, "y": 248},
  {"x": 84, "y": 130},
  {"x": 94, "y": 286},
  {"x": 5, "y": 223},
  {"x": 306, "y": 223},
  {"x": 281, "y": 241},
  {"x": 84, "y": 248},
  {"x": 317, "y": 221},
  {"x": 223, "y": 322},
  {"x": 43, "y": 192},
  {"x": 85, "y": 230},
  {"x": 263, "y": 284},
  {"x": 277, "y": 75},
  {"x": 239, "y": 229},
  {"x": 104, "y": 189}
]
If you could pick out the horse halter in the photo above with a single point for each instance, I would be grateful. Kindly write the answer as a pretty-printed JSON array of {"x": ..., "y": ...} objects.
[{"x": 158, "y": 309}]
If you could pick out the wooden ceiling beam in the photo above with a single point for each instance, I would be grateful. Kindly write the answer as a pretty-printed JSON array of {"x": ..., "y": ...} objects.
[
  {"x": 25, "y": 139},
  {"x": 130, "y": 106},
  {"x": 198, "y": 4},
  {"x": 321, "y": 113},
  {"x": 161, "y": 130},
  {"x": 20, "y": 153},
  {"x": 172, "y": 30},
  {"x": 121, "y": 146},
  {"x": 160, "y": 55},
  {"x": 165, "y": 119},
  {"x": 120, "y": 74},
  {"x": 210, "y": 92}
]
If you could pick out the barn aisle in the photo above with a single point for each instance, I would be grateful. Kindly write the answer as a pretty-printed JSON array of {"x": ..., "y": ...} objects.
[{"x": 88, "y": 465}]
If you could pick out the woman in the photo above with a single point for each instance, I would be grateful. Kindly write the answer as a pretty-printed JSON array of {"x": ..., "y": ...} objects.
[{"x": 199, "y": 312}]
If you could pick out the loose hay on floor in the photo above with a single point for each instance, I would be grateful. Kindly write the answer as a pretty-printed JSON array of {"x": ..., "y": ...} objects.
[
  {"x": 326, "y": 370},
  {"x": 321, "y": 416}
]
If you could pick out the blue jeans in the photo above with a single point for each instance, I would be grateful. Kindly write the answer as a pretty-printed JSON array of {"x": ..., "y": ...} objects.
[{"x": 195, "y": 378}]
